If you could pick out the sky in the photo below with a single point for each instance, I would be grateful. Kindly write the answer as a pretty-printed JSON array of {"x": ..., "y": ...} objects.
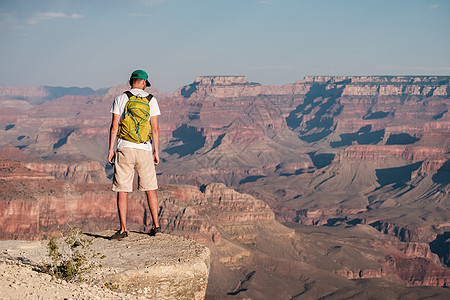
[{"x": 98, "y": 43}]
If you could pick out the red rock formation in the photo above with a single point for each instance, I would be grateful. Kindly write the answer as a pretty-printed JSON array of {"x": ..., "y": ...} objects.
[
  {"x": 420, "y": 271},
  {"x": 200, "y": 214},
  {"x": 13, "y": 154},
  {"x": 429, "y": 166},
  {"x": 16, "y": 171},
  {"x": 413, "y": 271},
  {"x": 411, "y": 263},
  {"x": 75, "y": 172},
  {"x": 375, "y": 152},
  {"x": 47, "y": 203},
  {"x": 360, "y": 274},
  {"x": 386, "y": 85},
  {"x": 34, "y": 204},
  {"x": 235, "y": 87},
  {"x": 415, "y": 249}
]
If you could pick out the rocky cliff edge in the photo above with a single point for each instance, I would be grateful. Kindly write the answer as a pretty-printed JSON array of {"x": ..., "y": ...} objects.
[{"x": 161, "y": 267}]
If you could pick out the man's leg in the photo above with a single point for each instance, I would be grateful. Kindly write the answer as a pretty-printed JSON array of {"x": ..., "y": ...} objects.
[
  {"x": 152, "y": 200},
  {"x": 122, "y": 206},
  {"x": 122, "y": 184}
]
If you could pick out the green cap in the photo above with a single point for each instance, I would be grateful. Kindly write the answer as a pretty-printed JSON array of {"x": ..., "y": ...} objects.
[{"x": 141, "y": 75}]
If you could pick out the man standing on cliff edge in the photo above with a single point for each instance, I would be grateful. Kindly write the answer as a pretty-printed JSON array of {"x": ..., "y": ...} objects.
[{"x": 135, "y": 125}]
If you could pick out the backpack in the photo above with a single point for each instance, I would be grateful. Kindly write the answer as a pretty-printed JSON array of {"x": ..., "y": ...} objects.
[{"x": 135, "y": 126}]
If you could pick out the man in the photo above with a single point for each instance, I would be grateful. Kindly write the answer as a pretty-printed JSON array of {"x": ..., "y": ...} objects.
[{"x": 138, "y": 152}]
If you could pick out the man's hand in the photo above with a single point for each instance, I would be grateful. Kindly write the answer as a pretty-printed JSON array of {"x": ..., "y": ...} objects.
[
  {"x": 155, "y": 158},
  {"x": 111, "y": 156}
]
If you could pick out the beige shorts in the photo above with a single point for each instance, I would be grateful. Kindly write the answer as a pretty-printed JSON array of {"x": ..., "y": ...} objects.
[{"x": 127, "y": 160}]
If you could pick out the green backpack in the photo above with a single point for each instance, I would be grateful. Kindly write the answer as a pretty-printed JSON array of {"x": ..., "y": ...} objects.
[{"x": 135, "y": 126}]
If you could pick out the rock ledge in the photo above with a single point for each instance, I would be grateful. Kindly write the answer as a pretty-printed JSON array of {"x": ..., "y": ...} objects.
[{"x": 161, "y": 267}]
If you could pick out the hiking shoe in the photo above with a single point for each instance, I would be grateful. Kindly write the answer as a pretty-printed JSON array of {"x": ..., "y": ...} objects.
[
  {"x": 155, "y": 231},
  {"x": 119, "y": 235}
]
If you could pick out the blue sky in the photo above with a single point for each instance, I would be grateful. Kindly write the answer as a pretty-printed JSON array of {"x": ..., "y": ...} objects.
[{"x": 98, "y": 43}]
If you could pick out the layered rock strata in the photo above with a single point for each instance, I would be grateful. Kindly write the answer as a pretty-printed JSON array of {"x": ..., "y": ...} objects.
[{"x": 366, "y": 152}]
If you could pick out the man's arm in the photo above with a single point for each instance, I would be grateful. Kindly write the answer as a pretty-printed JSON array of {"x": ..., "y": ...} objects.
[
  {"x": 112, "y": 136},
  {"x": 155, "y": 138}
]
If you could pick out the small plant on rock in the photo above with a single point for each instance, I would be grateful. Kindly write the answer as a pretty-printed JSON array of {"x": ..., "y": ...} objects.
[
  {"x": 112, "y": 286},
  {"x": 71, "y": 256}
]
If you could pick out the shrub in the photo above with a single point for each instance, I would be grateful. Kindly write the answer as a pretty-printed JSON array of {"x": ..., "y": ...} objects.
[{"x": 71, "y": 256}]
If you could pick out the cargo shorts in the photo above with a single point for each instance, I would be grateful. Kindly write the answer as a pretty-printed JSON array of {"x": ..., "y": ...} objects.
[{"x": 129, "y": 159}]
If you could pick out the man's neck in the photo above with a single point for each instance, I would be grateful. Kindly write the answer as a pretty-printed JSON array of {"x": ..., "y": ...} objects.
[{"x": 137, "y": 87}]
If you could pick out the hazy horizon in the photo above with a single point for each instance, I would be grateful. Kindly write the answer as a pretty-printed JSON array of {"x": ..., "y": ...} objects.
[{"x": 250, "y": 81}]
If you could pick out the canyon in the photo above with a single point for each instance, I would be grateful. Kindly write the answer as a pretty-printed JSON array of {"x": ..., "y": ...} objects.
[
  {"x": 328, "y": 179},
  {"x": 253, "y": 255}
]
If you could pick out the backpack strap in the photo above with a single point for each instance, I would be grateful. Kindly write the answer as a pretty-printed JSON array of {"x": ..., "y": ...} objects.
[{"x": 130, "y": 94}]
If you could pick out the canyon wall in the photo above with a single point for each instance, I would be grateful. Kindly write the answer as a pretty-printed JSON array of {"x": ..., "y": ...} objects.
[{"x": 363, "y": 153}]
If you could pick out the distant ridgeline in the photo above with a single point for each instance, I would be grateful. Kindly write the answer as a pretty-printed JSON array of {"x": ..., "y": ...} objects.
[
  {"x": 40, "y": 94},
  {"x": 205, "y": 81},
  {"x": 386, "y": 85},
  {"x": 227, "y": 86},
  {"x": 438, "y": 80}
]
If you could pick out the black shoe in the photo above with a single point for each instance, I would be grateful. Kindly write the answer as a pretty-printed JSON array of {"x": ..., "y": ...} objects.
[
  {"x": 155, "y": 231},
  {"x": 119, "y": 235}
]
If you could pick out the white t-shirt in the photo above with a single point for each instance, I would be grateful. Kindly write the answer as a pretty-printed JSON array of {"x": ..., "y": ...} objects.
[{"x": 118, "y": 108}]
